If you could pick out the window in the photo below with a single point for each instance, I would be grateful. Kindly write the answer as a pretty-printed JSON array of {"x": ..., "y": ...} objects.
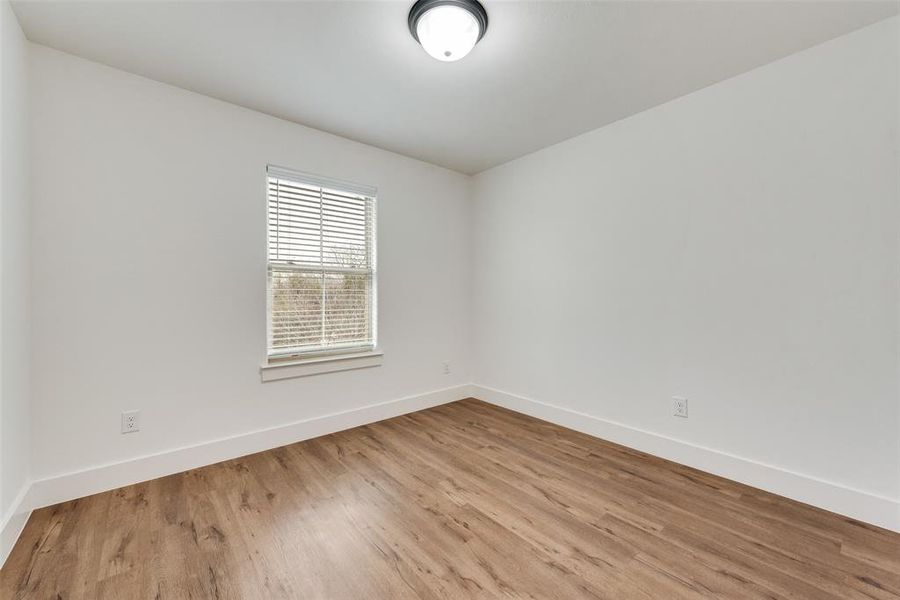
[{"x": 321, "y": 266}]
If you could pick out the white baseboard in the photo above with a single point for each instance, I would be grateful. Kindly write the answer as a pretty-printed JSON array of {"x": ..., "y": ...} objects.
[
  {"x": 101, "y": 478},
  {"x": 13, "y": 523},
  {"x": 857, "y": 504}
]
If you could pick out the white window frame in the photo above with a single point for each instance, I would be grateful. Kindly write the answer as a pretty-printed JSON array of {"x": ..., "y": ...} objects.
[{"x": 322, "y": 359}]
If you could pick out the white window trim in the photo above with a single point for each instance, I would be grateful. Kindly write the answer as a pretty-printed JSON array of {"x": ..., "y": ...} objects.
[
  {"x": 301, "y": 365},
  {"x": 317, "y": 365}
]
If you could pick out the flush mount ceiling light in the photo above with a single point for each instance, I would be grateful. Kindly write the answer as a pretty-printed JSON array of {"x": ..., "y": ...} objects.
[{"x": 447, "y": 29}]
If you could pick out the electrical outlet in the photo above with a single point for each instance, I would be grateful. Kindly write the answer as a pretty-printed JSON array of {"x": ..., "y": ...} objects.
[
  {"x": 131, "y": 421},
  {"x": 446, "y": 367},
  {"x": 680, "y": 407}
]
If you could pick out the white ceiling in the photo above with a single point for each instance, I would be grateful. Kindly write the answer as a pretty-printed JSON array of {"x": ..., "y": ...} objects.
[{"x": 545, "y": 71}]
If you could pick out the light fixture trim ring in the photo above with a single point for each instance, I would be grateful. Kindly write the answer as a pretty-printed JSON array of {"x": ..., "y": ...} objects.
[{"x": 471, "y": 6}]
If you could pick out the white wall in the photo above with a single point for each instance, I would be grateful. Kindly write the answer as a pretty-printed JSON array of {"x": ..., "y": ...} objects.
[
  {"x": 14, "y": 279},
  {"x": 737, "y": 246},
  {"x": 149, "y": 267}
]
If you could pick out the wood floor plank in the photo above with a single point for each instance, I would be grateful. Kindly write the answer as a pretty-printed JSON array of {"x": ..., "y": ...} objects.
[{"x": 465, "y": 500}]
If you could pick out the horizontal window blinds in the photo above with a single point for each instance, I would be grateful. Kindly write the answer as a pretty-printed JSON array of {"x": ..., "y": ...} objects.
[{"x": 321, "y": 265}]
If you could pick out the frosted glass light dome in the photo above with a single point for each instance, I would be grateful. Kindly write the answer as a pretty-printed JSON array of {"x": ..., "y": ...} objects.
[
  {"x": 447, "y": 29},
  {"x": 447, "y": 32}
]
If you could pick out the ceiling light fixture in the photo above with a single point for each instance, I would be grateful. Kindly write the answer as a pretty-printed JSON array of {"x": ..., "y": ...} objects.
[{"x": 447, "y": 29}]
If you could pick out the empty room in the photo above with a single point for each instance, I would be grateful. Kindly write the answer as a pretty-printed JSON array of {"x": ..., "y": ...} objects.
[{"x": 450, "y": 299}]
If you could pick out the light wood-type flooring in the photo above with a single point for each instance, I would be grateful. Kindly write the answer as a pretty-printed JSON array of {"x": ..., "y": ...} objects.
[{"x": 464, "y": 500}]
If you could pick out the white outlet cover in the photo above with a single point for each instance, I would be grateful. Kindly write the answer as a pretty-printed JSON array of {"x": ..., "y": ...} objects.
[
  {"x": 131, "y": 421},
  {"x": 680, "y": 407}
]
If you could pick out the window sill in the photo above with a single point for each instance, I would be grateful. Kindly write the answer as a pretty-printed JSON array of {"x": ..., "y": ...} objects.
[{"x": 303, "y": 367}]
